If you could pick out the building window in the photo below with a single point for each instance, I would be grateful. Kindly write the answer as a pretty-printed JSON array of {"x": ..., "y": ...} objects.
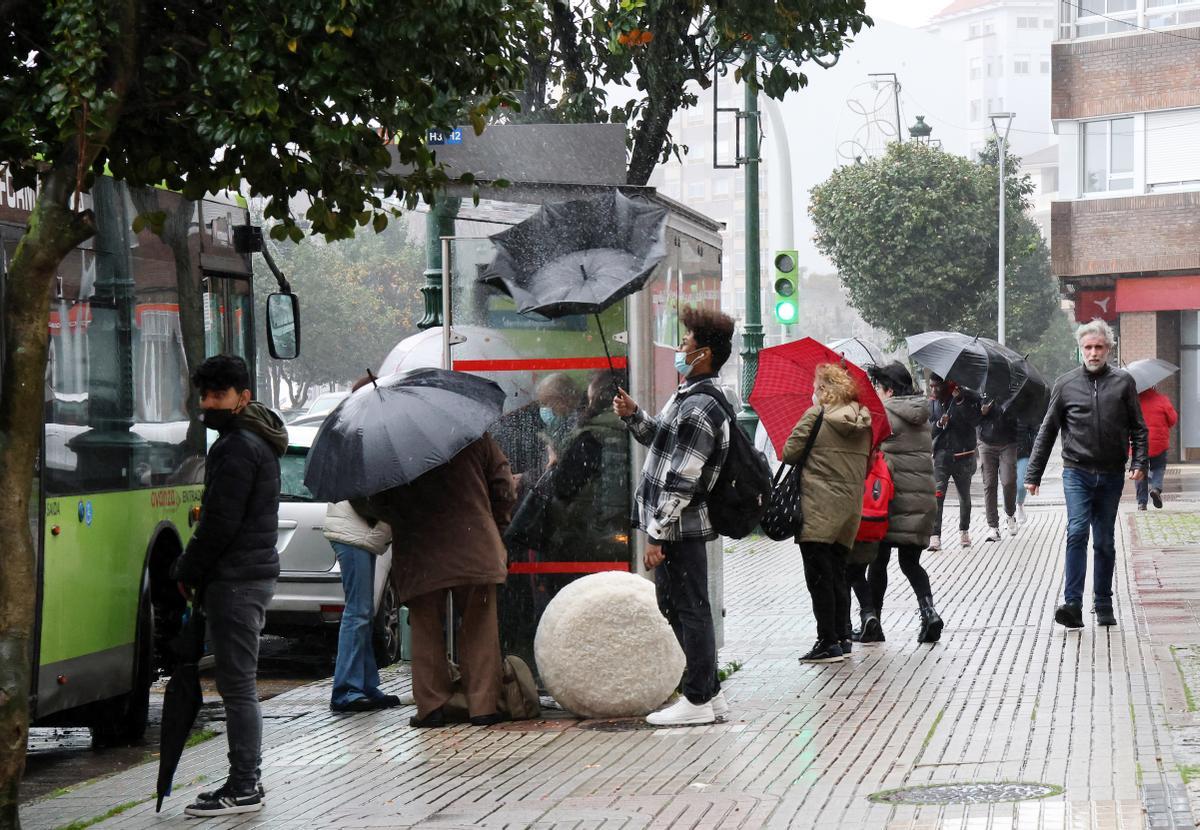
[
  {"x": 1027, "y": 22},
  {"x": 1045, "y": 66},
  {"x": 1104, "y": 17},
  {"x": 973, "y": 31},
  {"x": 722, "y": 187},
  {"x": 1108, "y": 155},
  {"x": 988, "y": 28},
  {"x": 697, "y": 190},
  {"x": 1021, "y": 65},
  {"x": 975, "y": 110},
  {"x": 1169, "y": 13},
  {"x": 1048, "y": 23},
  {"x": 976, "y": 71}
]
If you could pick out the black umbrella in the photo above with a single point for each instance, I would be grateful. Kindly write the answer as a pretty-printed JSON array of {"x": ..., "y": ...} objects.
[
  {"x": 962, "y": 359},
  {"x": 579, "y": 257},
  {"x": 181, "y": 701},
  {"x": 391, "y": 431}
]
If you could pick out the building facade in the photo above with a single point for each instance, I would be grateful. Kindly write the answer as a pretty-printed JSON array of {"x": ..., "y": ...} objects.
[{"x": 1125, "y": 246}]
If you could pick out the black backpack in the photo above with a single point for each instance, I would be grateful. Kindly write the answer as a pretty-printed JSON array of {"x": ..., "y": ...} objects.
[{"x": 740, "y": 494}]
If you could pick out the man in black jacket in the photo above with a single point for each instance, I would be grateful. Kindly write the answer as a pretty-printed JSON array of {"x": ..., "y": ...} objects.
[
  {"x": 231, "y": 563},
  {"x": 1096, "y": 409},
  {"x": 954, "y": 415}
]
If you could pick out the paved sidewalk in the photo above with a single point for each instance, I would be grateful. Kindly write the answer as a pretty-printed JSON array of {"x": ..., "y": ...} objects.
[{"x": 1006, "y": 697}]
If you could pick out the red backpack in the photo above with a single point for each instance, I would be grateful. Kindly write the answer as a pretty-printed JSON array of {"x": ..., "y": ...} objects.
[{"x": 877, "y": 495}]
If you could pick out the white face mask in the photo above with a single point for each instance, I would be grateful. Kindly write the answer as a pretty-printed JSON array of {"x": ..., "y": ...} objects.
[{"x": 816, "y": 400}]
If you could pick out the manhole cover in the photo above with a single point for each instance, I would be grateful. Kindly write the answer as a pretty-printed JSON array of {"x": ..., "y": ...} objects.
[
  {"x": 616, "y": 724},
  {"x": 967, "y": 793}
]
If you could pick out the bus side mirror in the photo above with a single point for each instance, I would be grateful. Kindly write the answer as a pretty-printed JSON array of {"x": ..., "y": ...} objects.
[{"x": 283, "y": 326}]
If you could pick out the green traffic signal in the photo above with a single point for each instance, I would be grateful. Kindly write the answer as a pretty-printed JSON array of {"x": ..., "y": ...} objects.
[{"x": 787, "y": 288}]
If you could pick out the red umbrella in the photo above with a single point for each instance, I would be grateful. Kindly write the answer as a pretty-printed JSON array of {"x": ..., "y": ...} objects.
[{"x": 783, "y": 389}]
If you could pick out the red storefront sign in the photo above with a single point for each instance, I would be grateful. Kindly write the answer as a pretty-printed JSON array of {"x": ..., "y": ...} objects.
[
  {"x": 1158, "y": 294},
  {"x": 1092, "y": 304}
]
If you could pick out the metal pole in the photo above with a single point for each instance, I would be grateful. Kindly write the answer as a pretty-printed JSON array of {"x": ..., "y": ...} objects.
[
  {"x": 1002, "y": 149},
  {"x": 752, "y": 330},
  {"x": 439, "y": 222}
]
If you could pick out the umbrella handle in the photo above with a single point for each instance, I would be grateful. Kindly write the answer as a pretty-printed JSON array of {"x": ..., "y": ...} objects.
[{"x": 604, "y": 341}]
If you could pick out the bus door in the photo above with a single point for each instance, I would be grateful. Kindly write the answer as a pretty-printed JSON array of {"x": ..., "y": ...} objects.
[{"x": 568, "y": 451}]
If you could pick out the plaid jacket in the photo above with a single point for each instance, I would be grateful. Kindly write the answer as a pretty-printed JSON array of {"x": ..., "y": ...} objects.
[{"x": 688, "y": 441}]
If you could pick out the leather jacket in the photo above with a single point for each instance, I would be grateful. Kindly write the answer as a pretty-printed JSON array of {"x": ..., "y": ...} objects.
[{"x": 1099, "y": 417}]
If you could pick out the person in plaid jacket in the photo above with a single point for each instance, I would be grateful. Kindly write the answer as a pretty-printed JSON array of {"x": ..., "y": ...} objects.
[{"x": 688, "y": 442}]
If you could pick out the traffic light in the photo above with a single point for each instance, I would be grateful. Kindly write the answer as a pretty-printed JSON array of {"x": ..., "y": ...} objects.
[{"x": 787, "y": 288}]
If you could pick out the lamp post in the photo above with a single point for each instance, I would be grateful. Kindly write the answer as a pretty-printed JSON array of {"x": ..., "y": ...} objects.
[
  {"x": 752, "y": 330},
  {"x": 1002, "y": 150},
  {"x": 920, "y": 131}
]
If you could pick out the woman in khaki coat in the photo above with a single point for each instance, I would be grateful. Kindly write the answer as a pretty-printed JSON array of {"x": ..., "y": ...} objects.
[
  {"x": 446, "y": 530},
  {"x": 831, "y": 493}
]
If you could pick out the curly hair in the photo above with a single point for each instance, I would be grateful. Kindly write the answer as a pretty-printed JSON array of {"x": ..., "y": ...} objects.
[
  {"x": 711, "y": 329},
  {"x": 833, "y": 385}
]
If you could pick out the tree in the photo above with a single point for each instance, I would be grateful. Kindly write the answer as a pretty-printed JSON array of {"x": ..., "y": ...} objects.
[
  {"x": 913, "y": 235},
  {"x": 286, "y": 97},
  {"x": 665, "y": 48},
  {"x": 359, "y": 298}
]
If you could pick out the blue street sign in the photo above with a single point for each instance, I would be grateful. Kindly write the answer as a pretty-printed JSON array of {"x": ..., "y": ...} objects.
[{"x": 439, "y": 137}]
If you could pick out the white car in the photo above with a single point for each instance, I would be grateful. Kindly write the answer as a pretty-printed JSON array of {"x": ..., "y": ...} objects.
[
  {"x": 309, "y": 593},
  {"x": 319, "y": 408}
]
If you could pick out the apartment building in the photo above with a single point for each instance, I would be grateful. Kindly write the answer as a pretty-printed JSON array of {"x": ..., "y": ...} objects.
[{"x": 1125, "y": 102}]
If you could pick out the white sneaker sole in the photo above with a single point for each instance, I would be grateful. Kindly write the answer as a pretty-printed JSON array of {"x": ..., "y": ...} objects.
[
  {"x": 224, "y": 811},
  {"x": 687, "y": 722}
]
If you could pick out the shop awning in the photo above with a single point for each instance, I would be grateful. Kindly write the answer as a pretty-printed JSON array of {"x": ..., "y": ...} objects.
[{"x": 1158, "y": 294}]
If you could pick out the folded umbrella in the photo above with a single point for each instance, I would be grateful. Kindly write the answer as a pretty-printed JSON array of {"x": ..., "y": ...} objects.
[
  {"x": 181, "y": 701},
  {"x": 580, "y": 256},
  {"x": 783, "y": 389},
  {"x": 1150, "y": 372},
  {"x": 391, "y": 431}
]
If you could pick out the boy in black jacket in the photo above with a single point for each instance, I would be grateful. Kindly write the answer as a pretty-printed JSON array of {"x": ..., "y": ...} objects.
[
  {"x": 954, "y": 415},
  {"x": 231, "y": 563}
]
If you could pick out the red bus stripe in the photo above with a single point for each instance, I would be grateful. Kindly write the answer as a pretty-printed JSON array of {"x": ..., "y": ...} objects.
[
  {"x": 566, "y": 567},
  {"x": 539, "y": 364}
]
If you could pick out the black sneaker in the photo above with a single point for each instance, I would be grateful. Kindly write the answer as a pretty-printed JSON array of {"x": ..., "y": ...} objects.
[
  {"x": 1069, "y": 614},
  {"x": 824, "y": 653},
  {"x": 846, "y": 646},
  {"x": 1156, "y": 497},
  {"x": 872, "y": 631},
  {"x": 226, "y": 802},
  {"x": 1105, "y": 616}
]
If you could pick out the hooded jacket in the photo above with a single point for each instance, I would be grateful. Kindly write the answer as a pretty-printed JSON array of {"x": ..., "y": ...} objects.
[
  {"x": 909, "y": 454},
  {"x": 345, "y": 526},
  {"x": 1099, "y": 417},
  {"x": 1160, "y": 416},
  {"x": 831, "y": 484},
  {"x": 239, "y": 511}
]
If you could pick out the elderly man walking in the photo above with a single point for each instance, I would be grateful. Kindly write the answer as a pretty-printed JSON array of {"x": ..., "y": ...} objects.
[{"x": 1095, "y": 408}]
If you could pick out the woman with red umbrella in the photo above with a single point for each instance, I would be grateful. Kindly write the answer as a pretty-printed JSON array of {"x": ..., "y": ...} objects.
[{"x": 831, "y": 494}]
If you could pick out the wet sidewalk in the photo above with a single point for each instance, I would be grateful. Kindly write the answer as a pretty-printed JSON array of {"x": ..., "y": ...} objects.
[{"x": 1103, "y": 717}]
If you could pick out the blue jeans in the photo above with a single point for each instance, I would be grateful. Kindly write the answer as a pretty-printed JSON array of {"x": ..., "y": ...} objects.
[
  {"x": 1154, "y": 477},
  {"x": 1022, "y": 466},
  {"x": 1092, "y": 500},
  {"x": 355, "y": 674}
]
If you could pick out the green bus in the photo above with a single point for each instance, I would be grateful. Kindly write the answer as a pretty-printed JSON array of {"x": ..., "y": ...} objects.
[{"x": 119, "y": 477}]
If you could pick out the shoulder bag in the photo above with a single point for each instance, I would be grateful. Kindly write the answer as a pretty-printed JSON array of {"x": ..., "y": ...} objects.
[{"x": 784, "y": 518}]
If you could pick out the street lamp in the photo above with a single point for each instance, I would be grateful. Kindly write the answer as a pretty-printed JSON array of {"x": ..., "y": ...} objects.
[
  {"x": 920, "y": 131},
  {"x": 1002, "y": 150}
]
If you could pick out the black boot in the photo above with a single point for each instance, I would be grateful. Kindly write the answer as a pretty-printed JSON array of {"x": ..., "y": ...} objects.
[
  {"x": 872, "y": 631},
  {"x": 931, "y": 622}
]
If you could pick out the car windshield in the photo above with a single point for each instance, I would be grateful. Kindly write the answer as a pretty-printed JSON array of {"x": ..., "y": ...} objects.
[
  {"x": 325, "y": 404},
  {"x": 291, "y": 476}
]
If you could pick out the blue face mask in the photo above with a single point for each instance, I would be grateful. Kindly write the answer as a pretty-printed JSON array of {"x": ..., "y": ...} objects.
[
  {"x": 548, "y": 416},
  {"x": 681, "y": 364}
]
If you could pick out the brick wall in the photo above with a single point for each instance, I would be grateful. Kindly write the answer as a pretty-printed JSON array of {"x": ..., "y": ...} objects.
[
  {"x": 1129, "y": 73},
  {"x": 1157, "y": 232}
]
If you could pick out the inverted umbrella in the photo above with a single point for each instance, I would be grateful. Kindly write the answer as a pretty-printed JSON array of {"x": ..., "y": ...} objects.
[
  {"x": 391, "y": 431},
  {"x": 858, "y": 351},
  {"x": 783, "y": 389},
  {"x": 579, "y": 257},
  {"x": 1150, "y": 372},
  {"x": 181, "y": 701}
]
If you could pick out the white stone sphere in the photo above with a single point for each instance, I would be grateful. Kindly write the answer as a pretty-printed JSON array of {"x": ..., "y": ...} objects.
[{"x": 604, "y": 650}]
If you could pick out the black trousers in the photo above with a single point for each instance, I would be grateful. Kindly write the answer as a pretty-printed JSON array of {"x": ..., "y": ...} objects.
[
  {"x": 825, "y": 573},
  {"x": 961, "y": 470},
  {"x": 681, "y": 584},
  {"x": 910, "y": 566}
]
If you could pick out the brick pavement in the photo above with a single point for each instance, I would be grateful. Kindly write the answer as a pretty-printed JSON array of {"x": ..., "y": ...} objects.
[{"x": 1005, "y": 697}]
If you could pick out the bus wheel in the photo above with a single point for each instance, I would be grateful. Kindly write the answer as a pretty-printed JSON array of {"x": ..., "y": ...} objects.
[
  {"x": 386, "y": 630},
  {"x": 121, "y": 720}
]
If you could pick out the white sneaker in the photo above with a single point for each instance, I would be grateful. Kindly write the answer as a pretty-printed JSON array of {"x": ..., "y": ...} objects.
[
  {"x": 935, "y": 543},
  {"x": 1012, "y": 525},
  {"x": 993, "y": 535},
  {"x": 682, "y": 713},
  {"x": 720, "y": 706},
  {"x": 964, "y": 539},
  {"x": 1021, "y": 518}
]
